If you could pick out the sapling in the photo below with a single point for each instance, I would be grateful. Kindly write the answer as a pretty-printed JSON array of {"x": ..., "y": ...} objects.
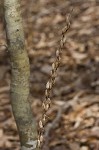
[{"x": 20, "y": 72}]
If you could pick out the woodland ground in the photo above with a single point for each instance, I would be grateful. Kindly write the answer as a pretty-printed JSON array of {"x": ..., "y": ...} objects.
[{"x": 74, "y": 113}]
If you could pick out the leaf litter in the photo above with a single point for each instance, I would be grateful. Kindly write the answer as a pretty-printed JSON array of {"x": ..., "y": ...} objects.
[{"x": 73, "y": 119}]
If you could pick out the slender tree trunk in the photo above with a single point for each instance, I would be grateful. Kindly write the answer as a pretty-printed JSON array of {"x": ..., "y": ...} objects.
[{"x": 20, "y": 76}]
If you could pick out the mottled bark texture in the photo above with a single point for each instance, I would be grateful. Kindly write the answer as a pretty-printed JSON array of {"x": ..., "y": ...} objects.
[
  {"x": 1, "y": 10},
  {"x": 20, "y": 76}
]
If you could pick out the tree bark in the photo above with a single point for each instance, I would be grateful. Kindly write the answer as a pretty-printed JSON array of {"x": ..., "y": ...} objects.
[
  {"x": 20, "y": 76},
  {"x": 1, "y": 10}
]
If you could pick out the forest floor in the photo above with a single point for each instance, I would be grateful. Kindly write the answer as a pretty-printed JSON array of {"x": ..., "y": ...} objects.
[{"x": 73, "y": 122}]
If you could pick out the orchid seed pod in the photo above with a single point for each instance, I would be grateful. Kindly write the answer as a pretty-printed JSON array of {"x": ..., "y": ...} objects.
[
  {"x": 53, "y": 66},
  {"x": 47, "y": 107},
  {"x": 40, "y": 124},
  {"x": 41, "y": 138},
  {"x": 57, "y": 53}
]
